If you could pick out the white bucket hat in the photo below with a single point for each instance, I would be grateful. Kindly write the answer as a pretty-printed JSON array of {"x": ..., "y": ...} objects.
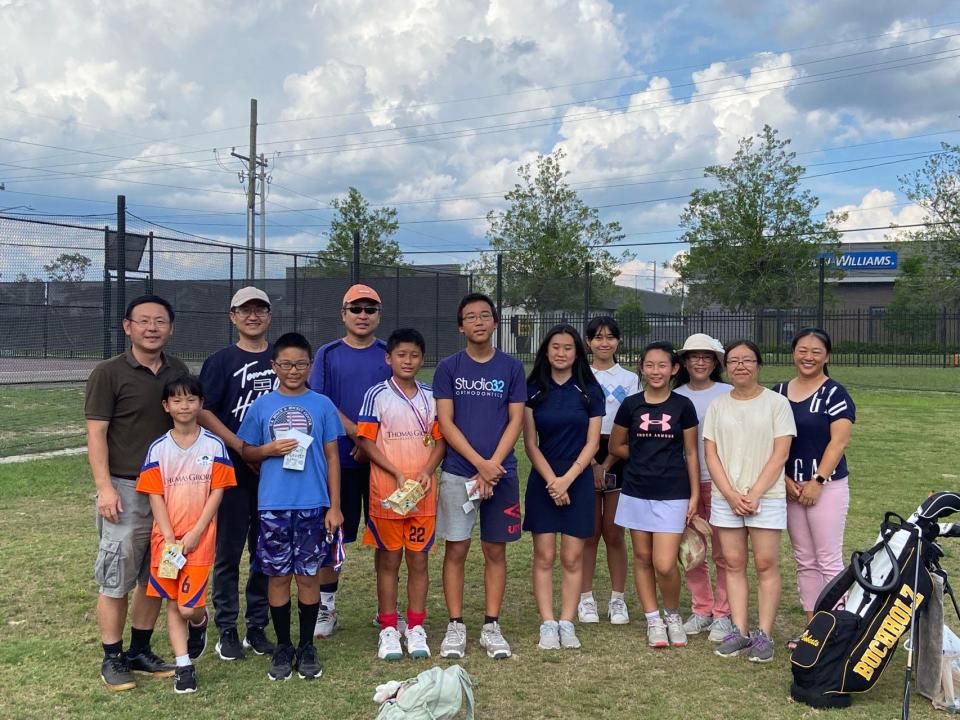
[{"x": 702, "y": 341}]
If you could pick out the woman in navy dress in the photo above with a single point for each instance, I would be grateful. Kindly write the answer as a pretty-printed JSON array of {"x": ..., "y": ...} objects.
[{"x": 561, "y": 433}]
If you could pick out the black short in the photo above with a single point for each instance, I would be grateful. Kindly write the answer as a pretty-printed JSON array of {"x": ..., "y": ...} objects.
[
  {"x": 354, "y": 497},
  {"x": 618, "y": 466}
]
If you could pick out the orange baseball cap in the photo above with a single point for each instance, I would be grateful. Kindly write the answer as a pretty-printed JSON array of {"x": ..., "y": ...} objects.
[{"x": 361, "y": 292}]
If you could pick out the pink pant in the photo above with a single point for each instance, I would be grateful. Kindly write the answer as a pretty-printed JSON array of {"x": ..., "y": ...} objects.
[
  {"x": 707, "y": 599},
  {"x": 817, "y": 537}
]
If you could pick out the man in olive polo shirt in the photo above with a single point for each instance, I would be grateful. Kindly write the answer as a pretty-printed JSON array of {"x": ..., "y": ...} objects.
[{"x": 124, "y": 416}]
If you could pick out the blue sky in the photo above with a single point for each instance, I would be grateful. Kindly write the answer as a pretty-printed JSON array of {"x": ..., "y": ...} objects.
[{"x": 430, "y": 106}]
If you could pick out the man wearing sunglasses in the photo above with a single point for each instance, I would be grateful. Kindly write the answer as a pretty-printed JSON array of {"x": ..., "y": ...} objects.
[
  {"x": 232, "y": 379},
  {"x": 343, "y": 370}
]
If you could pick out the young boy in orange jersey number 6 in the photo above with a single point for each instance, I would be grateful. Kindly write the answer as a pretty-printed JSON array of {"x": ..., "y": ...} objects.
[
  {"x": 397, "y": 429},
  {"x": 185, "y": 473}
]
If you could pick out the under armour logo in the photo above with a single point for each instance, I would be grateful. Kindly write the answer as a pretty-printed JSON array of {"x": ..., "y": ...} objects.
[{"x": 663, "y": 423}]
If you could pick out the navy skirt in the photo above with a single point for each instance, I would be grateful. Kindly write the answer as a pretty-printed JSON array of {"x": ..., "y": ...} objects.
[{"x": 542, "y": 515}]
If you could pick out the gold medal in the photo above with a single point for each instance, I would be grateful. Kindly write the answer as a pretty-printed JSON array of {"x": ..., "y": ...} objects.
[{"x": 427, "y": 441}]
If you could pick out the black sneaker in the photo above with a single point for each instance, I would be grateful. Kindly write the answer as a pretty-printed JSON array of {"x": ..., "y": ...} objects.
[
  {"x": 281, "y": 666},
  {"x": 228, "y": 646},
  {"x": 196, "y": 639},
  {"x": 257, "y": 641},
  {"x": 116, "y": 673},
  {"x": 147, "y": 662},
  {"x": 185, "y": 680},
  {"x": 308, "y": 667}
]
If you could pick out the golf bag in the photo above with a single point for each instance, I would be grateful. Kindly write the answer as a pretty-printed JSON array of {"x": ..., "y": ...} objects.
[{"x": 863, "y": 612}]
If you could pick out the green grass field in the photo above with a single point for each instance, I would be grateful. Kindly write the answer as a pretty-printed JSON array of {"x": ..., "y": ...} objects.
[{"x": 49, "y": 648}]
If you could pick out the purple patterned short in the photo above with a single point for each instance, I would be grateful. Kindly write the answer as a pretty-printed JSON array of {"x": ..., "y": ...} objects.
[{"x": 293, "y": 542}]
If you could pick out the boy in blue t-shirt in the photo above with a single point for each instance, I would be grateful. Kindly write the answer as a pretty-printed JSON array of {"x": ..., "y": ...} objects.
[
  {"x": 481, "y": 393},
  {"x": 292, "y": 432}
]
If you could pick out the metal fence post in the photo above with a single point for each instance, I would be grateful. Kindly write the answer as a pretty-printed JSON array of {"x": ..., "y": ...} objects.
[
  {"x": 943, "y": 333},
  {"x": 296, "y": 293},
  {"x": 229, "y": 324},
  {"x": 46, "y": 315},
  {"x": 859, "y": 338},
  {"x": 396, "y": 295},
  {"x": 150, "y": 261},
  {"x": 499, "y": 298},
  {"x": 121, "y": 269},
  {"x": 356, "y": 257},
  {"x": 107, "y": 348},
  {"x": 436, "y": 319},
  {"x": 586, "y": 294}
]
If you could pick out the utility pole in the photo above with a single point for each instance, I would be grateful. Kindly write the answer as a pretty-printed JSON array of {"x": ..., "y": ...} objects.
[
  {"x": 263, "y": 217},
  {"x": 251, "y": 175}
]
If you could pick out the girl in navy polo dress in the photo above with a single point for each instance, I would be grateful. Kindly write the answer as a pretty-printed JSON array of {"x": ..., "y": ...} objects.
[{"x": 561, "y": 433}]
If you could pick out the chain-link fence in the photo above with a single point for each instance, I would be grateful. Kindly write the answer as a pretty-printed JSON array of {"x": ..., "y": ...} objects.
[{"x": 63, "y": 294}]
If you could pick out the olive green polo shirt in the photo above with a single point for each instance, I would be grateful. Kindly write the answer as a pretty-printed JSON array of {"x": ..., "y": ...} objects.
[{"x": 128, "y": 394}]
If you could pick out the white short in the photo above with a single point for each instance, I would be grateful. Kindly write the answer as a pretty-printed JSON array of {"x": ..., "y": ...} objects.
[
  {"x": 666, "y": 516},
  {"x": 771, "y": 516}
]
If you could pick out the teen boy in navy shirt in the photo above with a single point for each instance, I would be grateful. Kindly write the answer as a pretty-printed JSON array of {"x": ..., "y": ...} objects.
[{"x": 480, "y": 394}]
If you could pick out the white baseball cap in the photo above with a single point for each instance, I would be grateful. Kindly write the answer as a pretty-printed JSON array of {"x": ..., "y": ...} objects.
[{"x": 246, "y": 294}]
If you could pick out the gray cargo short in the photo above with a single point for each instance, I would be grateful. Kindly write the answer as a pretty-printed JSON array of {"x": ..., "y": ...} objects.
[{"x": 123, "y": 559}]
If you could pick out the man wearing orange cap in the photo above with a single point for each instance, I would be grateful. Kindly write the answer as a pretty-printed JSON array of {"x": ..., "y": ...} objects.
[{"x": 343, "y": 370}]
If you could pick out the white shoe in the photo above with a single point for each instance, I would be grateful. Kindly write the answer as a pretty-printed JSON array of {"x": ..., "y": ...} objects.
[
  {"x": 675, "y": 631},
  {"x": 587, "y": 611},
  {"x": 657, "y": 634},
  {"x": 617, "y": 612},
  {"x": 492, "y": 640},
  {"x": 549, "y": 636},
  {"x": 326, "y": 623},
  {"x": 401, "y": 621},
  {"x": 696, "y": 624},
  {"x": 454, "y": 645},
  {"x": 568, "y": 636},
  {"x": 417, "y": 647},
  {"x": 721, "y": 627},
  {"x": 389, "y": 648}
]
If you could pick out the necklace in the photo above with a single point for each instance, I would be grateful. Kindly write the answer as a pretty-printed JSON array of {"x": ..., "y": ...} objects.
[{"x": 421, "y": 417}]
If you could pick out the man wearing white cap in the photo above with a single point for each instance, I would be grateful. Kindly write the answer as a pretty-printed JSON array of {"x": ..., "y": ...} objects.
[
  {"x": 232, "y": 379},
  {"x": 344, "y": 370}
]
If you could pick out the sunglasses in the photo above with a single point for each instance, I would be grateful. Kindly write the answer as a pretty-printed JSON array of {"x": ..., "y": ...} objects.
[{"x": 365, "y": 309}]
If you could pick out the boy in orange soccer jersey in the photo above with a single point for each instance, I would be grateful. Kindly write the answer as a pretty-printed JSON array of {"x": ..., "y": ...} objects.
[
  {"x": 397, "y": 429},
  {"x": 185, "y": 473}
]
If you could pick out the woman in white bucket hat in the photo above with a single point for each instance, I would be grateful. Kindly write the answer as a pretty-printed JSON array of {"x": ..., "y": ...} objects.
[{"x": 699, "y": 379}]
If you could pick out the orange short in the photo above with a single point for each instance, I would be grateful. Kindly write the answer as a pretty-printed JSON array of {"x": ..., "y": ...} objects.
[
  {"x": 188, "y": 590},
  {"x": 413, "y": 533}
]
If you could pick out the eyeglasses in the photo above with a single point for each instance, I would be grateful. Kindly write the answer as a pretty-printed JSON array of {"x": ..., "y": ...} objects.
[
  {"x": 261, "y": 312},
  {"x": 746, "y": 362},
  {"x": 287, "y": 365},
  {"x": 155, "y": 322},
  {"x": 701, "y": 357},
  {"x": 365, "y": 309},
  {"x": 482, "y": 317}
]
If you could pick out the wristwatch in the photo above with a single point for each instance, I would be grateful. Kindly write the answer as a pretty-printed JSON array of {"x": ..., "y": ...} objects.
[{"x": 819, "y": 478}]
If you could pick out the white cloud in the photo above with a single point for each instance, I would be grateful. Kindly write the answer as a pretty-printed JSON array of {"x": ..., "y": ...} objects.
[{"x": 880, "y": 209}]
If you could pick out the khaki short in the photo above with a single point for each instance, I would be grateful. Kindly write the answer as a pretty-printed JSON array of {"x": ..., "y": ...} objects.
[{"x": 123, "y": 560}]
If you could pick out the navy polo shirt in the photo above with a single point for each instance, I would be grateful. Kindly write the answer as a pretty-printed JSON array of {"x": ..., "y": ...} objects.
[{"x": 562, "y": 417}]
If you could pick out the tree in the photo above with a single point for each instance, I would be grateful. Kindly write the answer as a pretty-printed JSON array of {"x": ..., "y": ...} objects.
[
  {"x": 632, "y": 320},
  {"x": 67, "y": 267},
  {"x": 377, "y": 246},
  {"x": 909, "y": 312},
  {"x": 934, "y": 280},
  {"x": 753, "y": 240},
  {"x": 547, "y": 236}
]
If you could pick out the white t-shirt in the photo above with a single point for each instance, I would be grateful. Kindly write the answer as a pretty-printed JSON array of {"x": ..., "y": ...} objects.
[
  {"x": 701, "y": 401},
  {"x": 618, "y": 384},
  {"x": 744, "y": 431}
]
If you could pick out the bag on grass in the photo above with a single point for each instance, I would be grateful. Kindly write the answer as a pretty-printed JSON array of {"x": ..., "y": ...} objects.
[{"x": 434, "y": 694}]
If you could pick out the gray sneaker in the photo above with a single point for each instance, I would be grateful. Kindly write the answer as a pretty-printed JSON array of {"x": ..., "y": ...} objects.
[
  {"x": 568, "y": 636},
  {"x": 761, "y": 651},
  {"x": 722, "y": 626},
  {"x": 617, "y": 612},
  {"x": 696, "y": 624},
  {"x": 491, "y": 639},
  {"x": 454, "y": 645},
  {"x": 675, "y": 631},
  {"x": 657, "y": 634},
  {"x": 549, "y": 636},
  {"x": 734, "y": 644}
]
